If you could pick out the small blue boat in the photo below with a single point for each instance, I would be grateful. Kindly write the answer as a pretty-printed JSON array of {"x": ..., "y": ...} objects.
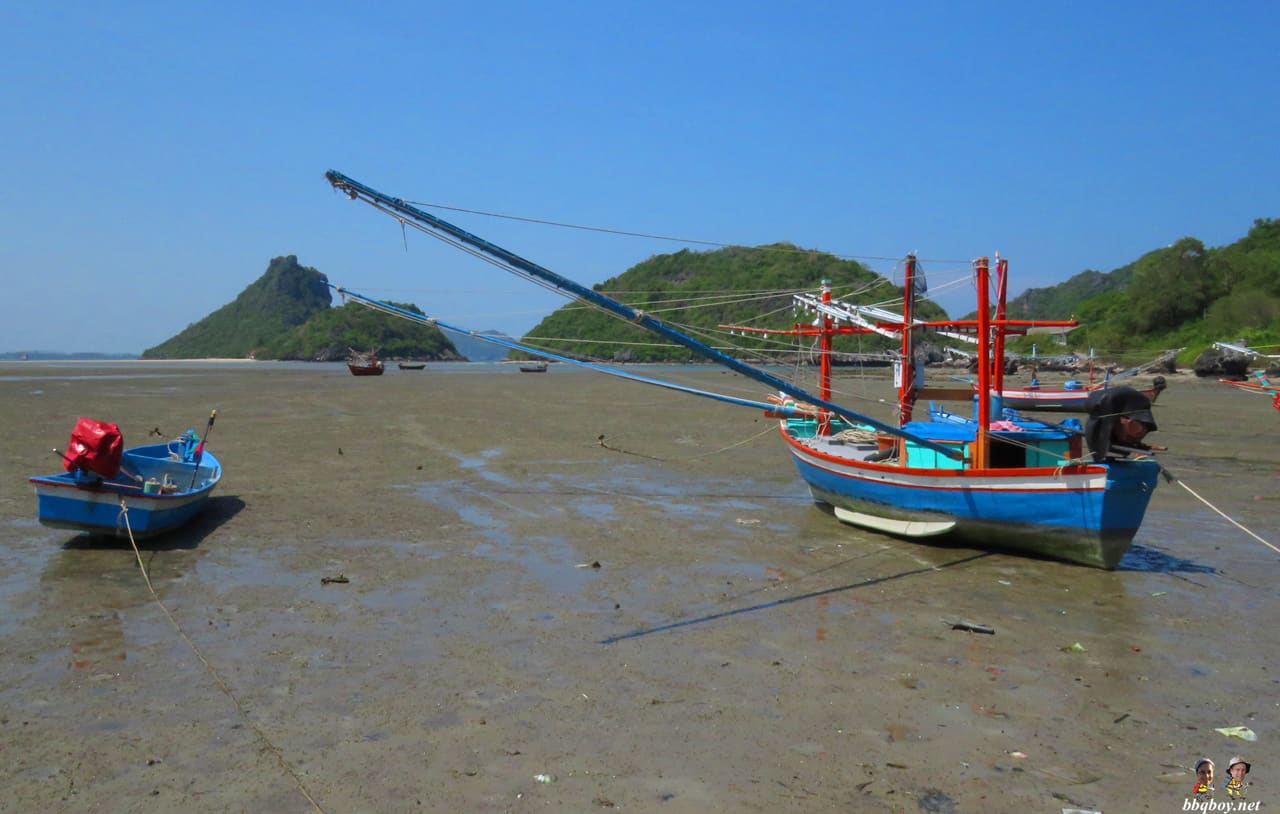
[{"x": 143, "y": 491}]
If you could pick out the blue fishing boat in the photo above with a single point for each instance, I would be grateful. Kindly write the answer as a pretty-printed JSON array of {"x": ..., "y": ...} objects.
[
  {"x": 985, "y": 481},
  {"x": 141, "y": 491}
]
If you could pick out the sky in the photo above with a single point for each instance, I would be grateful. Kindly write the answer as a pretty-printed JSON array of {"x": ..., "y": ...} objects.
[{"x": 159, "y": 155}]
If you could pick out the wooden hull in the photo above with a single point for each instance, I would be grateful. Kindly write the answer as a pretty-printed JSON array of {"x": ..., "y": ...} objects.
[
  {"x": 365, "y": 370},
  {"x": 409, "y": 366},
  {"x": 533, "y": 367},
  {"x": 1086, "y": 514},
  {"x": 93, "y": 505}
]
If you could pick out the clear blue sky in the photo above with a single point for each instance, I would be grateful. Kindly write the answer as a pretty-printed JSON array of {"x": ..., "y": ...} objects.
[{"x": 158, "y": 155}]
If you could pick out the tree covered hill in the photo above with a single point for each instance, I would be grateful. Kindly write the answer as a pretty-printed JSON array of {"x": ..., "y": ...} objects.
[
  {"x": 330, "y": 334},
  {"x": 1183, "y": 295},
  {"x": 697, "y": 291},
  {"x": 287, "y": 313},
  {"x": 284, "y": 297}
]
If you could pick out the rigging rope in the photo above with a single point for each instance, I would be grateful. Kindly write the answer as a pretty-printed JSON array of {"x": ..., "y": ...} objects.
[
  {"x": 606, "y": 230},
  {"x": 217, "y": 679}
]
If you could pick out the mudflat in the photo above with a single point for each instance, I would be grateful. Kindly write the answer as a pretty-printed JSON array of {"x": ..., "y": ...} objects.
[{"x": 470, "y": 589}]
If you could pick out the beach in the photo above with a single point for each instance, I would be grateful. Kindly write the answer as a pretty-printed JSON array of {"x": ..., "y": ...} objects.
[{"x": 469, "y": 589}]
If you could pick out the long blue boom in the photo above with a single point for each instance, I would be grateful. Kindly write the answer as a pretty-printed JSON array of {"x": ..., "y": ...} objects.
[{"x": 356, "y": 190}]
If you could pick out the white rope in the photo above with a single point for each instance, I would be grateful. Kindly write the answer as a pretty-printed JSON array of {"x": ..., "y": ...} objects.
[{"x": 1228, "y": 519}]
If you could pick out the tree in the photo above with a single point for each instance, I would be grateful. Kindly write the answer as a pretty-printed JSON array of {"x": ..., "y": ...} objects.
[{"x": 1170, "y": 286}]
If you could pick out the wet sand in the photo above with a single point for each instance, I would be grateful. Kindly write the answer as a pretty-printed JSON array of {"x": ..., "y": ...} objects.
[{"x": 736, "y": 649}]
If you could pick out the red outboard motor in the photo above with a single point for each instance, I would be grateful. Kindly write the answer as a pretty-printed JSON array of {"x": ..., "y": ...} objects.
[{"x": 95, "y": 446}]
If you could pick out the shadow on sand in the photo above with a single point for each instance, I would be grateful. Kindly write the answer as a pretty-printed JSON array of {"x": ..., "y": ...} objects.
[
  {"x": 928, "y": 569},
  {"x": 1142, "y": 558}
]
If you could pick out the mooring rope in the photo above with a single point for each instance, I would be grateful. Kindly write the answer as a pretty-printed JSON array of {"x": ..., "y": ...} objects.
[
  {"x": 1225, "y": 517},
  {"x": 213, "y": 673},
  {"x": 734, "y": 445}
]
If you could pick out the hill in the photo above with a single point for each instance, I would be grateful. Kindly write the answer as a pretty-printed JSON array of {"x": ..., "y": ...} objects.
[
  {"x": 328, "y": 336},
  {"x": 698, "y": 291},
  {"x": 1183, "y": 295},
  {"x": 287, "y": 314},
  {"x": 284, "y": 297}
]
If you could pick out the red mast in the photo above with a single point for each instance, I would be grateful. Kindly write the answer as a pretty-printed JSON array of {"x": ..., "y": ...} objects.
[
  {"x": 1002, "y": 291},
  {"x": 983, "y": 279},
  {"x": 824, "y": 362},
  {"x": 907, "y": 383}
]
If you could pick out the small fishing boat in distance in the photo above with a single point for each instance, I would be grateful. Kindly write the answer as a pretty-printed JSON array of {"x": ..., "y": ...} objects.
[
  {"x": 533, "y": 367},
  {"x": 1071, "y": 397},
  {"x": 142, "y": 491},
  {"x": 364, "y": 363},
  {"x": 411, "y": 365}
]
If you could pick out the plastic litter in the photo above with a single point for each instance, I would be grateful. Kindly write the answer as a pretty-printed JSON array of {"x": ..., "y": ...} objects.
[
  {"x": 1244, "y": 733},
  {"x": 545, "y": 778}
]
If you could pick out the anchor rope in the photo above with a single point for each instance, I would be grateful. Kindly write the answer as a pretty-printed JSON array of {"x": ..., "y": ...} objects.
[
  {"x": 1225, "y": 517},
  {"x": 213, "y": 673},
  {"x": 734, "y": 445}
]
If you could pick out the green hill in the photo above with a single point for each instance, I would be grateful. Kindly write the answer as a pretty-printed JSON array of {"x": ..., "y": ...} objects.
[
  {"x": 287, "y": 313},
  {"x": 328, "y": 335},
  {"x": 1184, "y": 295},
  {"x": 283, "y": 298},
  {"x": 697, "y": 291}
]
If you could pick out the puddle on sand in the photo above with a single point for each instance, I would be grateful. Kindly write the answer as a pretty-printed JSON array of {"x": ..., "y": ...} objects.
[
  {"x": 547, "y": 558},
  {"x": 480, "y": 465},
  {"x": 731, "y": 509}
]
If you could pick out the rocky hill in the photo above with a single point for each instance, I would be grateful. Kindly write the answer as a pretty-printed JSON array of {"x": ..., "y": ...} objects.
[{"x": 288, "y": 313}]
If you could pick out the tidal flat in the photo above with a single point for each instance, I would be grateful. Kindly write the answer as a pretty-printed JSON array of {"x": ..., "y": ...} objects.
[{"x": 564, "y": 592}]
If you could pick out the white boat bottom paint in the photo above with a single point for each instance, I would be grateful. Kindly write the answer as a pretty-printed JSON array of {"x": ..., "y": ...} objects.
[{"x": 902, "y": 528}]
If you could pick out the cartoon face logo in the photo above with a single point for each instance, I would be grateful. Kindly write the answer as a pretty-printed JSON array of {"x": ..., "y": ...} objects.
[
  {"x": 1237, "y": 768},
  {"x": 1204, "y": 778}
]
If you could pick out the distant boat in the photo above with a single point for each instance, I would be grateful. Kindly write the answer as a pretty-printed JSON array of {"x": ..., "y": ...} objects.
[
  {"x": 533, "y": 367},
  {"x": 411, "y": 365},
  {"x": 364, "y": 364},
  {"x": 1072, "y": 397},
  {"x": 109, "y": 491}
]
